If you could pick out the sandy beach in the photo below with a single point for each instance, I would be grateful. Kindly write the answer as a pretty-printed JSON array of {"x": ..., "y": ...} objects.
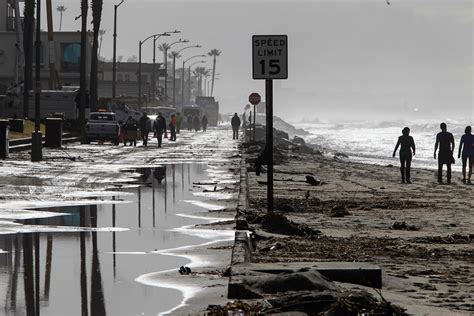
[{"x": 420, "y": 234}]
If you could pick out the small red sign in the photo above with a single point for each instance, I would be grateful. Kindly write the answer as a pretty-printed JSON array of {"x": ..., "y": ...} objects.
[{"x": 254, "y": 98}]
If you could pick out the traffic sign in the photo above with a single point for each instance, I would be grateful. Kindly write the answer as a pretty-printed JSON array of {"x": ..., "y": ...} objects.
[
  {"x": 254, "y": 98},
  {"x": 270, "y": 56}
]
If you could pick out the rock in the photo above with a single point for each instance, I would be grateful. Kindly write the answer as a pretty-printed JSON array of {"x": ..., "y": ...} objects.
[
  {"x": 339, "y": 211},
  {"x": 311, "y": 180},
  {"x": 284, "y": 207},
  {"x": 304, "y": 149},
  {"x": 340, "y": 155},
  {"x": 278, "y": 224},
  {"x": 307, "y": 279},
  {"x": 298, "y": 140},
  {"x": 404, "y": 226},
  {"x": 389, "y": 166}
]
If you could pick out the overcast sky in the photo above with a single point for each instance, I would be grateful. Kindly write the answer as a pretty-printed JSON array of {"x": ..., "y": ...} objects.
[{"x": 353, "y": 58}]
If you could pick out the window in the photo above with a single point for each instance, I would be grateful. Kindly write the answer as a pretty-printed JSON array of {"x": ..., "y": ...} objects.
[
  {"x": 70, "y": 57},
  {"x": 127, "y": 77}
]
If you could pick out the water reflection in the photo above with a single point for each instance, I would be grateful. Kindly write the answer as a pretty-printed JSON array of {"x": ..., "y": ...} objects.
[{"x": 93, "y": 273}]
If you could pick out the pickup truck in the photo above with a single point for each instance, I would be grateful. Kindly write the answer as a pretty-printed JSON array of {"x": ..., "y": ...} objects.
[{"x": 102, "y": 126}]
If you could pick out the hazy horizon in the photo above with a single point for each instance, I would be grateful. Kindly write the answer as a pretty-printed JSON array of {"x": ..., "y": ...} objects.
[{"x": 346, "y": 58}]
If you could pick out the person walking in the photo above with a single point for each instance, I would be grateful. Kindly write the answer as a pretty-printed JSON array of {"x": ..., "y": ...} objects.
[
  {"x": 179, "y": 121},
  {"x": 196, "y": 123},
  {"x": 190, "y": 122},
  {"x": 407, "y": 151},
  {"x": 445, "y": 142},
  {"x": 172, "y": 127},
  {"x": 235, "y": 122},
  {"x": 144, "y": 123},
  {"x": 160, "y": 127},
  {"x": 467, "y": 147},
  {"x": 204, "y": 123}
]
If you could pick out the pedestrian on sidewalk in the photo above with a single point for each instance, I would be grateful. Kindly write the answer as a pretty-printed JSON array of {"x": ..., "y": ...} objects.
[
  {"x": 160, "y": 127},
  {"x": 235, "y": 122},
  {"x": 445, "y": 142},
  {"x": 179, "y": 121},
  {"x": 196, "y": 123},
  {"x": 467, "y": 147},
  {"x": 204, "y": 123},
  {"x": 172, "y": 127},
  {"x": 189, "y": 122},
  {"x": 407, "y": 151},
  {"x": 145, "y": 128}
]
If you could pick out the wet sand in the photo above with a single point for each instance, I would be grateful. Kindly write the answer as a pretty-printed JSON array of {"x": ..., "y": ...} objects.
[{"x": 420, "y": 234}]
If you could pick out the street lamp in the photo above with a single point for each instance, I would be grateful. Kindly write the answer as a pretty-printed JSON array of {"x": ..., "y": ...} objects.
[
  {"x": 153, "y": 79},
  {"x": 189, "y": 77},
  {"x": 114, "y": 64},
  {"x": 140, "y": 43},
  {"x": 182, "y": 77},
  {"x": 165, "y": 60},
  {"x": 174, "y": 70}
]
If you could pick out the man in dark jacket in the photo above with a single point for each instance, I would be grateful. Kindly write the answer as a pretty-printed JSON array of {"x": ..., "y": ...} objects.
[
  {"x": 235, "y": 122},
  {"x": 144, "y": 128},
  {"x": 407, "y": 151},
  {"x": 445, "y": 141},
  {"x": 160, "y": 127},
  {"x": 204, "y": 123}
]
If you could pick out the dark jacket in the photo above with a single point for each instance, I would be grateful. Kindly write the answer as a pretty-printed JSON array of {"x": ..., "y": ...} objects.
[
  {"x": 204, "y": 120},
  {"x": 235, "y": 121},
  {"x": 144, "y": 123},
  {"x": 160, "y": 124}
]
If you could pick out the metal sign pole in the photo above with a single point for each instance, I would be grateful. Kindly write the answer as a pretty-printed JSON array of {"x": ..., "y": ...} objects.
[
  {"x": 254, "y": 116},
  {"x": 269, "y": 110}
]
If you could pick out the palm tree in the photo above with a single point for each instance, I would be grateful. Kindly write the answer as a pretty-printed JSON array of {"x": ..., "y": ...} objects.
[
  {"x": 96, "y": 19},
  {"x": 101, "y": 34},
  {"x": 61, "y": 9},
  {"x": 213, "y": 53},
  {"x": 164, "y": 48},
  {"x": 199, "y": 72},
  {"x": 83, "y": 67},
  {"x": 174, "y": 55}
]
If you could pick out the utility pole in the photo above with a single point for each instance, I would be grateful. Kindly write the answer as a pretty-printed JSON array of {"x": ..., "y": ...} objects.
[
  {"x": 36, "y": 144},
  {"x": 114, "y": 63},
  {"x": 53, "y": 74}
]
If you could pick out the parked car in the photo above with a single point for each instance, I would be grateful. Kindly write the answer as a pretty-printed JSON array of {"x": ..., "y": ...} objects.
[{"x": 102, "y": 126}]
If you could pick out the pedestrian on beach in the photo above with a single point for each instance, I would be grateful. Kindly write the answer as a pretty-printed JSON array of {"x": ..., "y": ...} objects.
[
  {"x": 204, "y": 123},
  {"x": 189, "y": 121},
  {"x": 407, "y": 151},
  {"x": 179, "y": 121},
  {"x": 235, "y": 122},
  {"x": 145, "y": 128},
  {"x": 196, "y": 123},
  {"x": 160, "y": 127},
  {"x": 445, "y": 142},
  {"x": 467, "y": 147},
  {"x": 172, "y": 127}
]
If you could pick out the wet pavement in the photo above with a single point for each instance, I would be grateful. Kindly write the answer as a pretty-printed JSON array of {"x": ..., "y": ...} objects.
[{"x": 107, "y": 242}]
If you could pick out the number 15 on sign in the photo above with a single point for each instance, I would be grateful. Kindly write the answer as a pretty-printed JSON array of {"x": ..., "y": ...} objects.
[{"x": 270, "y": 56}]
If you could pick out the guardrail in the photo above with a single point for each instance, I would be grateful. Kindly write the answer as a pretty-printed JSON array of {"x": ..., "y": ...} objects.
[{"x": 25, "y": 143}]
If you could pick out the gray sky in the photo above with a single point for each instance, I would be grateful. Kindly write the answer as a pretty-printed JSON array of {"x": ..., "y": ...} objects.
[{"x": 353, "y": 58}]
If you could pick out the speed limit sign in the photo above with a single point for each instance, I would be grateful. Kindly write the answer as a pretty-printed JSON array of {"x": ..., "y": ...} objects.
[{"x": 270, "y": 56}]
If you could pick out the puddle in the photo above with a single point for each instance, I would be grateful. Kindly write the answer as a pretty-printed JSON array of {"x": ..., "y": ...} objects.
[{"x": 98, "y": 258}]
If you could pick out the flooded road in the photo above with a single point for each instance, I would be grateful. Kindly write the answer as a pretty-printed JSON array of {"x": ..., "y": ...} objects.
[{"x": 119, "y": 253}]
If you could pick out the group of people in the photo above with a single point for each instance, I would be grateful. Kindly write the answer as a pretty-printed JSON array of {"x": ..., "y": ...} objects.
[
  {"x": 194, "y": 122},
  {"x": 159, "y": 126},
  {"x": 445, "y": 155}
]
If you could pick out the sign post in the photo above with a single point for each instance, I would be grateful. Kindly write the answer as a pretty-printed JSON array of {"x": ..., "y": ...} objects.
[
  {"x": 270, "y": 61},
  {"x": 254, "y": 99}
]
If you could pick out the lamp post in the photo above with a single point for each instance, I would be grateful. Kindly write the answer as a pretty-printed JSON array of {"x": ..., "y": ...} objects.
[
  {"x": 36, "y": 150},
  {"x": 114, "y": 64},
  {"x": 153, "y": 79},
  {"x": 189, "y": 77},
  {"x": 182, "y": 77},
  {"x": 140, "y": 43},
  {"x": 174, "y": 71}
]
